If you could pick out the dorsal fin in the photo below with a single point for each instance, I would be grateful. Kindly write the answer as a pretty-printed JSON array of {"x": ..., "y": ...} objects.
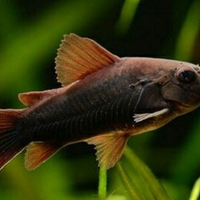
[{"x": 78, "y": 57}]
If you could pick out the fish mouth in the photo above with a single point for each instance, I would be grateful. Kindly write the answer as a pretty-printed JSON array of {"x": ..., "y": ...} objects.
[
  {"x": 193, "y": 103},
  {"x": 181, "y": 106}
]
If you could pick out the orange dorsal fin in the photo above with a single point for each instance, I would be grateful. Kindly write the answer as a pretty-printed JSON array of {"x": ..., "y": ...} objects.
[
  {"x": 78, "y": 57},
  {"x": 38, "y": 152},
  {"x": 109, "y": 148}
]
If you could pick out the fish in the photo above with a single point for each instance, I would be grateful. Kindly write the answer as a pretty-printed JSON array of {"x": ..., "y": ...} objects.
[{"x": 104, "y": 100}]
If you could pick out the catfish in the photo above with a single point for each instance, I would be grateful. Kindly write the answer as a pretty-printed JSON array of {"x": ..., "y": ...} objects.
[{"x": 104, "y": 100}]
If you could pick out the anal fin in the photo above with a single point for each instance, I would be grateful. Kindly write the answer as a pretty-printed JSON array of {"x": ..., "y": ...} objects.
[
  {"x": 38, "y": 152},
  {"x": 109, "y": 148}
]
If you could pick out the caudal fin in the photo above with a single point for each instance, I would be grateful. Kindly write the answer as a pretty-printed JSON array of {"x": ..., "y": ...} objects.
[{"x": 10, "y": 140}]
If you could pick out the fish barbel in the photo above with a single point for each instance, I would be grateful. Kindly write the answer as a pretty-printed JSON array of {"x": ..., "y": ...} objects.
[{"x": 104, "y": 100}]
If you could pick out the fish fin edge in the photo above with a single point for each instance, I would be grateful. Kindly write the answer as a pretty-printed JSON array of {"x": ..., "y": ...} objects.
[
  {"x": 144, "y": 116},
  {"x": 10, "y": 139},
  {"x": 39, "y": 152},
  {"x": 77, "y": 57},
  {"x": 32, "y": 98},
  {"x": 109, "y": 148}
]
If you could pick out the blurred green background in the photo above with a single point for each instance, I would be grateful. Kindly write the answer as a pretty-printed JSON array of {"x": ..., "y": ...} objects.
[{"x": 30, "y": 33}]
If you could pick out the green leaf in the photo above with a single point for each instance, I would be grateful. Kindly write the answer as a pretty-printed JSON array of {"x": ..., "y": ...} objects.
[
  {"x": 128, "y": 183},
  {"x": 127, "y": 14},
  {"x": 195, "y": 191},
  {"x": 154, "y": 185},
  {"x": 187, "y": 162},
  {"x": 188, "y": 33}
]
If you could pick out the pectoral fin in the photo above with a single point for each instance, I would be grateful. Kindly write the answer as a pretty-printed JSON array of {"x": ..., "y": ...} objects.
[
  {"x": 144, "y": 116},
  {"x": 38, "y": 152},
  {"x": 109, "y": 148}
]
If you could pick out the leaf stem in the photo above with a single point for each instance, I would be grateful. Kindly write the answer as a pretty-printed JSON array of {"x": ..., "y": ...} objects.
[{"x": 102, "y": 189}]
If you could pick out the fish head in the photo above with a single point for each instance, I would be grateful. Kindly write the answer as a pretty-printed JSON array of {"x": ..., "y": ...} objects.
[{"x": 182, "y": 86}]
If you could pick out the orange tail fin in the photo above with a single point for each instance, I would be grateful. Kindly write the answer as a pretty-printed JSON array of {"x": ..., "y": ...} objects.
[{"x": 10, "y": 140}]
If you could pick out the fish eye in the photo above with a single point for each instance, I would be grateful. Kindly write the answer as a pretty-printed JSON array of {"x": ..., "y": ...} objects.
[{"x": 185, "y": 75}]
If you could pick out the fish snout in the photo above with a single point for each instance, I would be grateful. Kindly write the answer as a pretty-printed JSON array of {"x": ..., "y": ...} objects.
[{"x": 183, "y": 88}]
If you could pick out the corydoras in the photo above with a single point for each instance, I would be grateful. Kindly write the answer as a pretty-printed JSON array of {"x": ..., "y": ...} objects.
[{"x": 104, "y": 100}]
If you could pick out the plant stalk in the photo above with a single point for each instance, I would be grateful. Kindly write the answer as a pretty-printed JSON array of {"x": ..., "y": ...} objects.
[{"x": 102, "y": 189}]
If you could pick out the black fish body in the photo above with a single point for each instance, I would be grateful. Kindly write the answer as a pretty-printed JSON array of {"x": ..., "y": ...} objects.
[
  {"x": 104, "y": 100},
  {"x": 101, "y": 105}
]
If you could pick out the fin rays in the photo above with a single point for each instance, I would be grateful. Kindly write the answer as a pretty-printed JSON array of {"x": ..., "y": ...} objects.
[
  {"x": 109, "y": 148},
  {"x": 78, "y": 57},
  {"x": 38, "y": 152}
]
